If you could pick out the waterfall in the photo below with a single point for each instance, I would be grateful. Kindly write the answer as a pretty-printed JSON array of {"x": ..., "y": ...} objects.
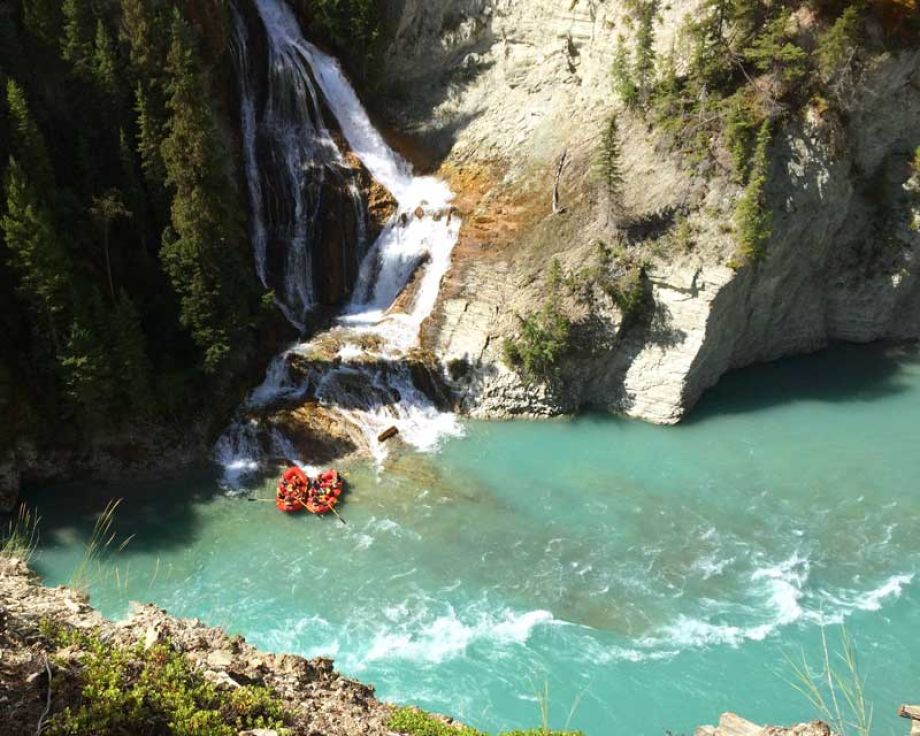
[
  {"x": 292, "y": 165},
  {"x": 367, "y": 383}
]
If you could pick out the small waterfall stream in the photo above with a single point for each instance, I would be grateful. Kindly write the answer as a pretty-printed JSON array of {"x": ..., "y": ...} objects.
[{"x": 364, "y": 378}]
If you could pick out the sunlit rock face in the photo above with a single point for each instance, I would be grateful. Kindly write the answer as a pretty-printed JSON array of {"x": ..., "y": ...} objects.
[{"x": 500, "y": 90}]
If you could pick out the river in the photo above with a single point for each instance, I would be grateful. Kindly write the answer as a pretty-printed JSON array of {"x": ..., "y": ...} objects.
[{"x": 649, "y": 577}]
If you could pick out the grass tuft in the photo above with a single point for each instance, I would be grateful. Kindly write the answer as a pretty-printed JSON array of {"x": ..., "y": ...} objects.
[
  {"x": 20, "y": 538},
  {"x": 835, "y": 688},
  {"x": 101, "y": 542}
]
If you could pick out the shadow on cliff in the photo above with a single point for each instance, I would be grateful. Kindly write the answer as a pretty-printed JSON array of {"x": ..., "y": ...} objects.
[
  {"x": 841, "y": 373},
  {"x": 405, "y": 109}
]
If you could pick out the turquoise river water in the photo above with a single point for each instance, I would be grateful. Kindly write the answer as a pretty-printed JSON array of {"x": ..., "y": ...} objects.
[{"x": 649, "y": 577}]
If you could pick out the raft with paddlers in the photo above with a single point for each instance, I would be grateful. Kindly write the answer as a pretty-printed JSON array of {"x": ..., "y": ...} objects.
[
  {"x": 319, "y": 495},
  {"x": 293, "y": 491}
]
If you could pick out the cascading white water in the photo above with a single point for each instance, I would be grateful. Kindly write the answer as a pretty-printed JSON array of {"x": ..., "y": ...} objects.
[
  {"x": 291, "y": 162},
  {"x": 369, "y": 389}
]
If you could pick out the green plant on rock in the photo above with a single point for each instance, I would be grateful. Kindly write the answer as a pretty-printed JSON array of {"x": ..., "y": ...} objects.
[
  {"x": 126, "y": 691},
  {"x": 752, "y": 216},
  {"x": 413, "y": 722}
]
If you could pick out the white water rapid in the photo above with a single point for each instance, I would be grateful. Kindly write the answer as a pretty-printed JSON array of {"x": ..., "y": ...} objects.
[{"x": 368, "y": 383}]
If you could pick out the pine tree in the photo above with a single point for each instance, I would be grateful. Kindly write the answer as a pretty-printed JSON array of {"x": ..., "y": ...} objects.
[
  {"x": 85, "y": 362},
  {"x": 28, "y": 144},
  {"x": 609, "y": 159},
  {"x": 773, "y": 50},
  {"x": 37, "y": 255},
  {"x": 710, "y": 64},
  {"x": 644, "y": 72},
  {"x": 623, "y": 82},
  {"x": 149, "y": 140},
  {"x": 202, "y": 258},
  {"x": 143, "y": 29},
  {"x": 77, "y": 43},
  {"x": 105, "y": 66},
  {"x": 752, "y": 216}
]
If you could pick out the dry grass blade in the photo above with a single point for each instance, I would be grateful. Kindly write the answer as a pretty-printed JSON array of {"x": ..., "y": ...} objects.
[
  {"x": 20, "y": 538},
  {"x": 100, "y": 543},
  {"x": 837, "y": 695}
]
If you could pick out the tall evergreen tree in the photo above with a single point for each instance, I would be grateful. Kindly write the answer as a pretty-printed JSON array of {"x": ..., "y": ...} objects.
[
  {"x": 150, "y": 136},
  {"x": 144, "y": 30},
  {"x": 77, "y": 41},
  {"x": 105, "y": 67},
  {"x": 28, "y": 144},
  {"x": 37, "y": 255},
  {"x": 609, "y": 159},
  {"x": 645, "y": 48},
  {"x": 203, "y": 259},
  {"x": 753, "y": 217},
  {"x": 130, "y": 361}
]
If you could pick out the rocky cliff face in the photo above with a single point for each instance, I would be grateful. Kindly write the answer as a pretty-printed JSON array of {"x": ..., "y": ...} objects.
[{"x": 500, "y": 89}]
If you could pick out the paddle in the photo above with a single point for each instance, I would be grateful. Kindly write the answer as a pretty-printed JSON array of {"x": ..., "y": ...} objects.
[{"x": 330, "y": 508}]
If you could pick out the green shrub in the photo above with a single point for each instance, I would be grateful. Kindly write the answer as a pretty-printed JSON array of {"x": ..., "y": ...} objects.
[
  {"x": 544, "y": 339},
  {"x": 627, "y": 291},
  {"x": 414, "y": 722},
  {"x": 128, "y": 690}
]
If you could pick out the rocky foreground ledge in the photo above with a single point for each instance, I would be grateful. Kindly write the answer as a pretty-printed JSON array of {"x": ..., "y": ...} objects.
[{"x": 320, "y": 701}]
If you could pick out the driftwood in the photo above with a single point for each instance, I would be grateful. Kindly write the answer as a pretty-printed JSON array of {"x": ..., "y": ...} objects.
[
  {"x": 388, "y": 434},
  {"x": 557, "y": 208},
  {"x": 913, "y": 713}
]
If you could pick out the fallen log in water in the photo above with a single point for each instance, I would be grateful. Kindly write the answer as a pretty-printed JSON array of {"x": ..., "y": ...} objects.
[
  {"x": 388, "y": 434},
  {"x": 912, "y": 712}
]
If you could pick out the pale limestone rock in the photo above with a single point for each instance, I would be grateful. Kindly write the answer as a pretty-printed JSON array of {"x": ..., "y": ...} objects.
[{"x": 519, "y": 81}]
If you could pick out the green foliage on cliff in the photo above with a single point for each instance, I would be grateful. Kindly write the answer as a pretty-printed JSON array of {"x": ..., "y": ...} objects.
[
  {"x": 124, "y": 265},
  {"x": 125, "y": 691},
  {"x": 738, "y": 64}
]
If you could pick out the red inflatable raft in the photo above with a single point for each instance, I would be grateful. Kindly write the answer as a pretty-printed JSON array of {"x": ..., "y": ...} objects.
[
  {"x": 296, "y": 492},
  {"x": 293, "y": 491},
  {"x": 325, "y": 492}
]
